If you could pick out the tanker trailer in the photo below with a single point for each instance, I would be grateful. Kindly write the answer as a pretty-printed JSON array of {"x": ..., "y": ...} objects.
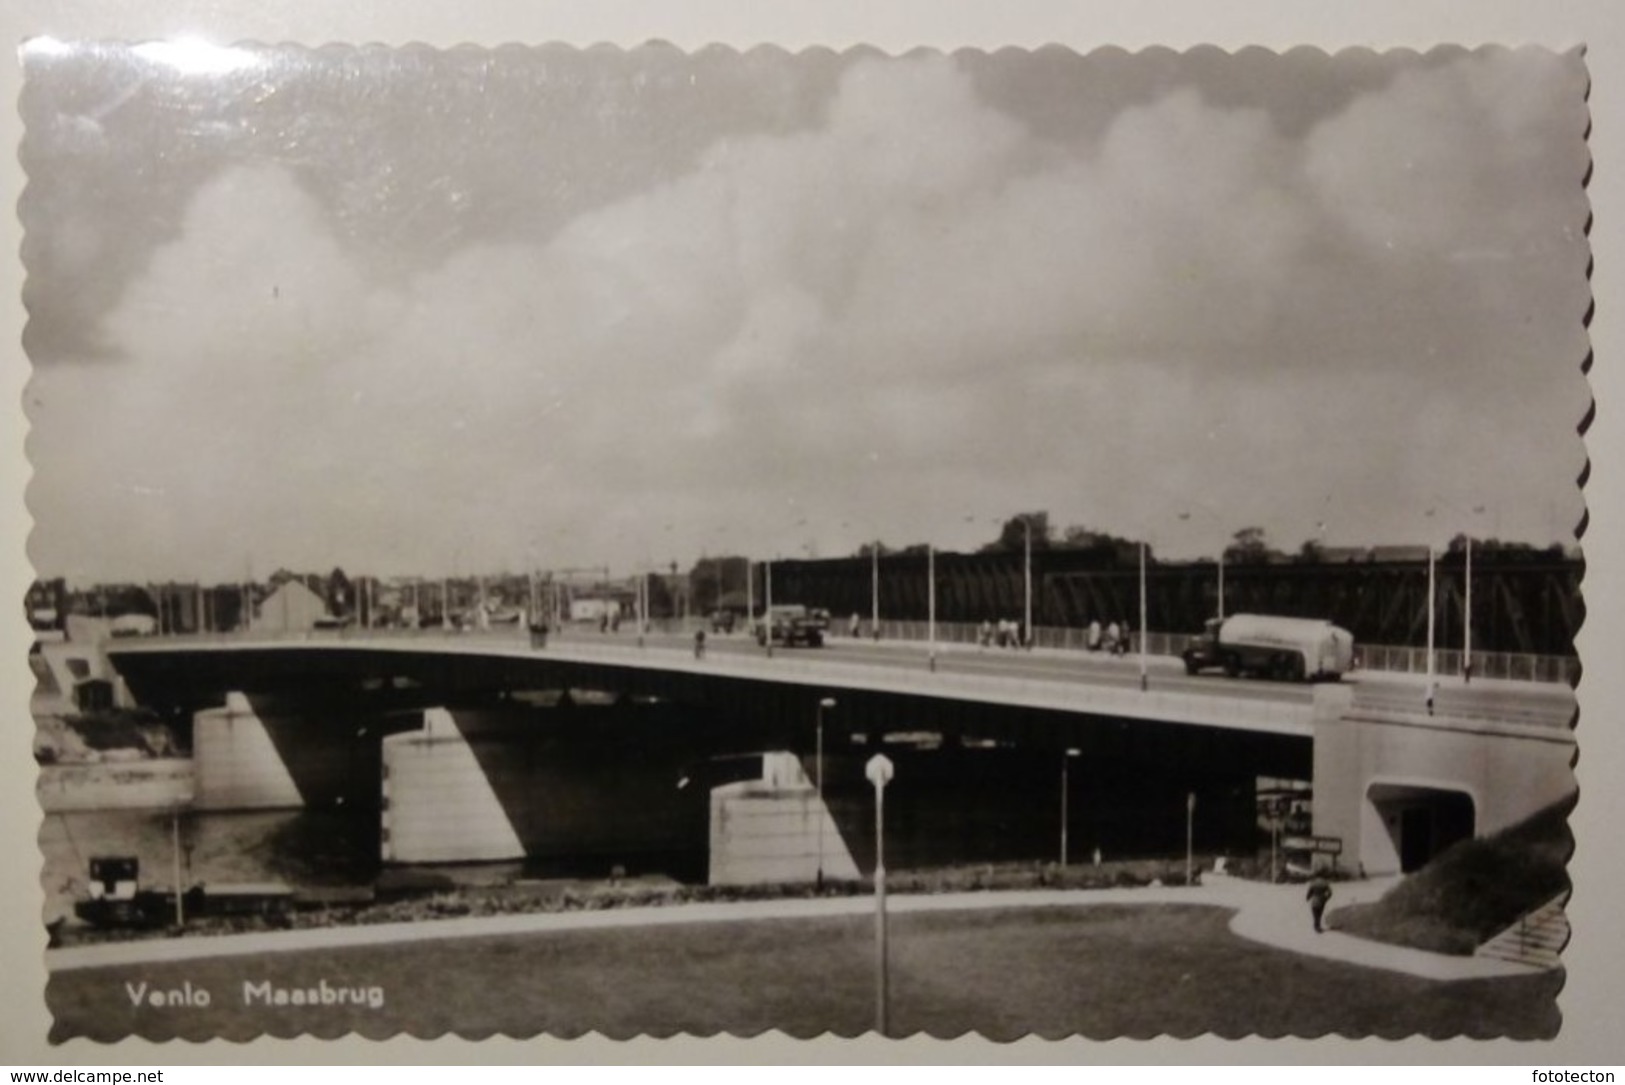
[{"x": 1296, "y": 649}]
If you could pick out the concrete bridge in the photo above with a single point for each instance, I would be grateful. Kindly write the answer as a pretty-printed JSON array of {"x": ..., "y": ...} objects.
[{"x": 487, "y": 746}]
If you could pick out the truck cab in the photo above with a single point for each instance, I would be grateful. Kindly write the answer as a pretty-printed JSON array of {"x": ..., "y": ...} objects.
[{"x": 1203, "y": 650}]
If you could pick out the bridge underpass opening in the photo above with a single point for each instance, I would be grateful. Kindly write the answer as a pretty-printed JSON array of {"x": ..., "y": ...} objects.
[
  {"x": 1415, "y": 822},
  {"x": 589, "y": 783}
]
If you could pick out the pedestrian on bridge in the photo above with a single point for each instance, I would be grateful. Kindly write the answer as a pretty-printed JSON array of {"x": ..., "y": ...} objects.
[{"x": 699, "y": 644}]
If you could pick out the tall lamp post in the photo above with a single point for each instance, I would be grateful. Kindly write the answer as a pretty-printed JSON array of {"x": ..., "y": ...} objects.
[
  {"x": 1027, "y": 589},
  {"x": 767, "y": 613},
  {"x": 874, "y": 591},
  {"x": 931, "y": 603},
  {"x": 818, "y": 768},
  {"x": 1065, "y": 759},
  {"x": 1431, "y": 595},
  {"x": 175, "y": 845},
  {"x": 879, "y": 771},
  {"x": 1144, "y": 681},
  {"x": 1190, "y": 838},
  {"x": 1467, "y": 612},
  {"x": 1467, "y": 618},
  {"x": 643, "y": 604}
]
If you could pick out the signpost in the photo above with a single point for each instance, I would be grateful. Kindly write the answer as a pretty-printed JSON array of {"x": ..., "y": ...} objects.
[
  {"x": 879, "y": 771},
  {"x": 1311, "y": 846}
]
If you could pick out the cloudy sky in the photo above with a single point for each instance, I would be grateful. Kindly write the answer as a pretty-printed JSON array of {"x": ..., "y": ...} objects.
[{"x": 418, "y": 311}]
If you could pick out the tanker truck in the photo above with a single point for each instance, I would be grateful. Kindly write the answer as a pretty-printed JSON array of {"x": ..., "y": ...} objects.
[{"x": 1295, "y": 649}]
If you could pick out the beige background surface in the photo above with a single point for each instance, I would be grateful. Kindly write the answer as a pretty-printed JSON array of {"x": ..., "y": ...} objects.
[{"x": 1591, "y": 1002}]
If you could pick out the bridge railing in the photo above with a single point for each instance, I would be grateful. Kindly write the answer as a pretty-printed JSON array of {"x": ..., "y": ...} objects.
[
  {"x": 1520, "y": 667},
  {"x": 1447, "y": 663}
]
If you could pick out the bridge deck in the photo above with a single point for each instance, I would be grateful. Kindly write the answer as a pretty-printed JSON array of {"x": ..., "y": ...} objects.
[{"x": 1052, "y": 680}]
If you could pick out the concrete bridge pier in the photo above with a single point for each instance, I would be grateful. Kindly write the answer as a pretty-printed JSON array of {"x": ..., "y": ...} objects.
[
  {"x": 775, "y": 829},
  {"x": 236, "y": 762},
  {"x": 582, "y": 790},
  {"x": 438, "y": 804},
  {"x": 256, "y": 753}
]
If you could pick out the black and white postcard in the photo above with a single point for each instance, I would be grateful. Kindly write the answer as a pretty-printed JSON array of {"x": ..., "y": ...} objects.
[{"x": 1068, "y": 541}]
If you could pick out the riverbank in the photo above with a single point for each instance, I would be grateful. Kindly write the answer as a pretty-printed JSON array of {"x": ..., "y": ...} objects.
[{"x": 128, "y": 782}]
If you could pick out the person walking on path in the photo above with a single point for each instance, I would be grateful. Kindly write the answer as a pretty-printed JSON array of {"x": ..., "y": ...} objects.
[{"x": 1320, "y": 892}]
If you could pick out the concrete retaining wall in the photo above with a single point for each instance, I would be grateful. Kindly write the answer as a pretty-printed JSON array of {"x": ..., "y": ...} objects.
[{"x": 1367, "y": 768}]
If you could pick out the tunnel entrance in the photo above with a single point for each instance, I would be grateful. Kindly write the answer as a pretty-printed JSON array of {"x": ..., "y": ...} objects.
[{"x": 1417, "y": 823}]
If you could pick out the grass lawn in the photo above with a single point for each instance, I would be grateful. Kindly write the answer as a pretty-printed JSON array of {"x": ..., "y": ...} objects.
[{"x": 1101, "y": 971}]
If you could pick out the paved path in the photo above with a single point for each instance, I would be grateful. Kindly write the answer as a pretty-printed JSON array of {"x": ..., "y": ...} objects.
[{"x": 1274, "y": 915}]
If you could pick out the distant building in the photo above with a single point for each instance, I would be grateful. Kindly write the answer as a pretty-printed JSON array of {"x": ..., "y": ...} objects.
[
  {"x": 1399, "y": 553},
  {"x": 133, "y": 625},
  {"x": 1342, "y": 555},
  {"x": 291, "y": 607},
  {"x": 592, "y": 610}
]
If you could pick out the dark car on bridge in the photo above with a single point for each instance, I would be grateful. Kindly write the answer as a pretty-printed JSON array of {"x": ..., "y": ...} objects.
[{"x": 791, "y": 624}]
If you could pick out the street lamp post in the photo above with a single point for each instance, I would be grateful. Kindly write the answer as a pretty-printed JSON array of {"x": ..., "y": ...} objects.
[
  {"x": 1431, "y": 595},
  {"x": 1027, "y": 588},
  {"x": 1144, "y": 681},
  {"x": 767, "y": 614},
  {"x": 1275, "y": 839},
  {"x": 931, "y": 603},
  {"x": 874, "y": 591},
  {"x": 643, "y": 605},
  {"x": 1065, "y": 758},
  {"x": 1467, "y": 619},
  {"x": 879, "y": 770},
  {"x": 818, "y": 769},
  {"x": 175, "y": 842},
  {"x": 1190, "y": 838},
  {"x": 531, "y": 616}
]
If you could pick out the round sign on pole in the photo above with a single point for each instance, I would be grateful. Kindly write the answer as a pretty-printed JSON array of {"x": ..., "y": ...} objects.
[{"x": 879, "y": 770}]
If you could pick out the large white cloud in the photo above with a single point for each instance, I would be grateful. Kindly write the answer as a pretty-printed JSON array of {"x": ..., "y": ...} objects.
[{"x": 916, "y": 312}]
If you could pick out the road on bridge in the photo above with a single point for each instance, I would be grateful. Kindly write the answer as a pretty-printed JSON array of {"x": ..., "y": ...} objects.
[{"x": 1536, "y": 703}]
